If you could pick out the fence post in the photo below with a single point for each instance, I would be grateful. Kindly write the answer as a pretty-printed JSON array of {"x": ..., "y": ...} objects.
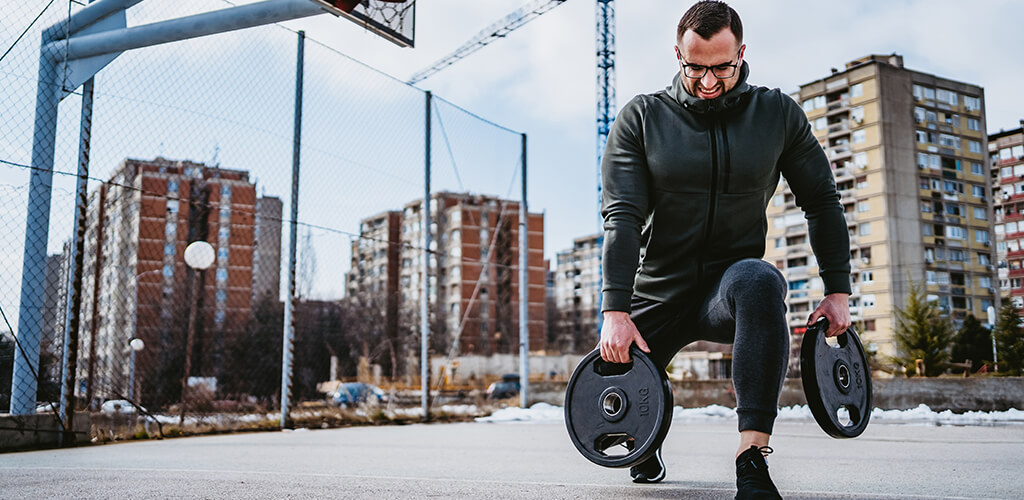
[
  {"x": 425, "y": 283},
  {"x": 289, "y": 305},
  {"x": 69, "y": 358},
  {"x": 524, "y": 291}
]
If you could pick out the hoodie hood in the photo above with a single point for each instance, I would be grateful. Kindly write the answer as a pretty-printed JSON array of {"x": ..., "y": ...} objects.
[{"x": 735, "y": 98}]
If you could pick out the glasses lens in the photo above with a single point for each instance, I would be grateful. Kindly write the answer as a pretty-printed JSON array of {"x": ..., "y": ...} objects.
[
  {"x": 692, "y": 71},
  {"x": 724, "y": 71}
]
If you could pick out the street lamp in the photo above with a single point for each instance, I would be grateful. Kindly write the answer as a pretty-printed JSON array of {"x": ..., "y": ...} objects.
[
  {"x": 199, "y": 255},
  {"x": 992, "y": 331},
  {"x": 136, "y": 344}
]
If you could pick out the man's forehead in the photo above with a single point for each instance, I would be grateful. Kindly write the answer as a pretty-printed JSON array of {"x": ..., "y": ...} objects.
[{"x": 719, "y": 49}]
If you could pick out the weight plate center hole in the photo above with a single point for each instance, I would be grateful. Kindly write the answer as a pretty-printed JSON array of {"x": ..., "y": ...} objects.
[
  {"x": 844, "y": 376},
  {"x": 612, "y": 404}
]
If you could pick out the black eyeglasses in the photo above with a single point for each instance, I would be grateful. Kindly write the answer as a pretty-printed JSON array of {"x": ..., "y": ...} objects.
[{"x": 722, "y": 71}]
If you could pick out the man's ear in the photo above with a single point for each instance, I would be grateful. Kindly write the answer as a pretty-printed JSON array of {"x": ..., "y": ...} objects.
[
  {"x": 743, "y": 49},
  {"x": 678, "y": 54}
]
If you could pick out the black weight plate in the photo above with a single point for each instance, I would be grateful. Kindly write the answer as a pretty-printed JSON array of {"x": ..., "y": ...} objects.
[
  {"x": 835, "y": 378},
  {"x": 617, "y": 414}
]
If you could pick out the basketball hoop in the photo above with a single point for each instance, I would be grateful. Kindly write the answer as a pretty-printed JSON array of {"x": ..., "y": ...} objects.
[{"x": 393, "y": 20}]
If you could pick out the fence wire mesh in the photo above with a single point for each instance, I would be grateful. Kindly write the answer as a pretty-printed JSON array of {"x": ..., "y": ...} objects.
[{"x": 193, "y": 141}]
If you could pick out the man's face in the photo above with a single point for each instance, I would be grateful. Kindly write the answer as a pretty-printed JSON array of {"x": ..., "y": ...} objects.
[{"x": 720, "y": 50}]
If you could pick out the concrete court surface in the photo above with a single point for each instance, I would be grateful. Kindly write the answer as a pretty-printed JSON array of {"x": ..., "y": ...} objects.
[{"x": 488, "y": 460}]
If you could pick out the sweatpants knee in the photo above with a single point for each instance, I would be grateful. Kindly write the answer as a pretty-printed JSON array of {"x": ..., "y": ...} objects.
[{"x": 759, "y": 278}]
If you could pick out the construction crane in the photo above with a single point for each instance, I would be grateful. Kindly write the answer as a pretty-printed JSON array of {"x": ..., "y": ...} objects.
[
  {"x": 499, "y": 29},
  {"x": 605, "y": 113}
]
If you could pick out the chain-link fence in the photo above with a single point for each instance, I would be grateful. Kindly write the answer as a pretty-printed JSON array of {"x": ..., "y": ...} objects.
[{"x": 193, "y": 141}]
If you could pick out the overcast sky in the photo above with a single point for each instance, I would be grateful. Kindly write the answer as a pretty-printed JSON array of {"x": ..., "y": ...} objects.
[{"x": 541, "y": 78}]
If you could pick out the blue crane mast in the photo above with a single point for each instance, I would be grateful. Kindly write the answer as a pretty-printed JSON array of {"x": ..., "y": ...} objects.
[{"x": 605, "y": 111}]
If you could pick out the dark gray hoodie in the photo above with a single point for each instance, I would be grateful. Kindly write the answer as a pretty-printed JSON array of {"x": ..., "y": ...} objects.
[{"x": 686, "y": 182}]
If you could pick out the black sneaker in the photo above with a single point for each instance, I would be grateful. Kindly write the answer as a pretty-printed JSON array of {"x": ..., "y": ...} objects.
[
  {"x": 752, "y": 480},
  {"x": 651, "y": 470}
]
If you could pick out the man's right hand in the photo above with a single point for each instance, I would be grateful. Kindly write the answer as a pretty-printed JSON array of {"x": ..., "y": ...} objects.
[{"x": 618, "y": 333}]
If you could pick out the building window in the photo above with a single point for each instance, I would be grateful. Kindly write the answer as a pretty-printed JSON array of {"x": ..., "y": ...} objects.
[
  {"x": 172, "y": 186},
  {"x": 867, "y": 277},
  {"x": 974, "y": 146},
  {"x": 862, "y": 182},
  {"x": 864, "y": 229},
  {"x": 868, "y": 301},
  {"x": 981, "y": 236},
  {"x": 168, "y": 270},
  {"x": 169, "y": 249},
  {"x": 984, "y": 259},
  {"x": 857, "y": 114},
  {"x": 857, "y": 90},
  {"x": 946, "y": 96},
  {"x": 976, "y": 168},
  {"x": 980, "y": 213},
  {"x": 972, "y": 123},
  {"x": 858, "y": 136},
  {"x": 956, "y": 232},
  {"x": 972, "y": 103},
  {"x": 863, "y": 206},
  {"x": 222, "y": 274}
]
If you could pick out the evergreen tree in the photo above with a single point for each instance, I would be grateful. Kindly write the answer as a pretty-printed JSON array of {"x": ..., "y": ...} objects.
[
  {"x": 1009, "y": 339},
  {"x": 922, "y": 333},
  {"x": 973, "y": 342}
]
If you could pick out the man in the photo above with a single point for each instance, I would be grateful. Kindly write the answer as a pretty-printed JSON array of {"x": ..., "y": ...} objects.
[{"x": 688, "y": 173}]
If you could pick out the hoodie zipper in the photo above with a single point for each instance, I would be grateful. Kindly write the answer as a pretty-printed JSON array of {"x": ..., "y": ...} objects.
[{"x": 716, "y": 166}]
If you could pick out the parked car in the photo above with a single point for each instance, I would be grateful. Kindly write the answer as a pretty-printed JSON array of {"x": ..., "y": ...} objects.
[
  {"x": 117, "y": 406},
  {"x": 352, "y": 393},
  {"x": 508, "y": 387}
]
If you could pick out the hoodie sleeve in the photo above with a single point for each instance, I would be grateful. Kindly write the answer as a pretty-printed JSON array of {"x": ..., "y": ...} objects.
[
  {"x": 624, "y": 181},
  {"x": 804, "y": 165}
]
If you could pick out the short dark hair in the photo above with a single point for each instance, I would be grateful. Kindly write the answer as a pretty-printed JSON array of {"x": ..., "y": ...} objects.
[{"x": 708, "y": 17}]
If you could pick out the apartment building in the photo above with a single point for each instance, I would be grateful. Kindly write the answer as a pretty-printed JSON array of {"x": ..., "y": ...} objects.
[
  {"x": 577, "y": 291},
  {"x": 1006, "y": 151},
  {"x": 136, "y": 282},
  {"x": 473, "y": 286},
  {"x": 908, "y": 151}
]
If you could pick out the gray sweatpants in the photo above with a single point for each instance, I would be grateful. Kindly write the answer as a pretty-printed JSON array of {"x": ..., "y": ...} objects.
[{"x": 746, "y": 307}]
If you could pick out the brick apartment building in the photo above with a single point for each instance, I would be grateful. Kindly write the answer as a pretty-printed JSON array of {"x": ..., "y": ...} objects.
[{"x": 474, "y": 267}]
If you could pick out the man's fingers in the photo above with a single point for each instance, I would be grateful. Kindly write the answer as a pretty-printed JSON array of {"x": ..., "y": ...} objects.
[
  {"x": 641, "y": 343},
  {"x": 813, "y": 318}
]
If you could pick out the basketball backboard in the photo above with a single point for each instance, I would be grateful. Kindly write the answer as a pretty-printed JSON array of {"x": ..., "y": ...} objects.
[{"x": 393, "y": 20}]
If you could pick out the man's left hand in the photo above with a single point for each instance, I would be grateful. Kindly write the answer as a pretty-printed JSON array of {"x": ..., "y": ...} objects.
[{"x": 836, "y": 308}]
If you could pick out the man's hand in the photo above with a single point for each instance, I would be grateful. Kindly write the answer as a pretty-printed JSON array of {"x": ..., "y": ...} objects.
[
  {"x": 617, "y": 334},
  {"x": 835, "y": 307}
]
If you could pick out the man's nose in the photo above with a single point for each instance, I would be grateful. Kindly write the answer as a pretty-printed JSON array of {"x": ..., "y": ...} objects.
[{"x": 708, "y": 80}]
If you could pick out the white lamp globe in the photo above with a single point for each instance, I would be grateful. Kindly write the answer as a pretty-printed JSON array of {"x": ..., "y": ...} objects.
[
  {"x": 199, "y": 255},
  {"x": 137, "y": 344}
]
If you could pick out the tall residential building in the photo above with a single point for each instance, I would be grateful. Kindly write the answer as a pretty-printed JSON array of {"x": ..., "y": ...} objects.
[
  {"x": 908, "y": 150},
  {"x": 1006, "y": 150},
  {"x": 473, "y": 286},
  {"x": 266, "y": 258},
  {"x": 136, "y": 282},
  {"x": 577, "y": 293}
]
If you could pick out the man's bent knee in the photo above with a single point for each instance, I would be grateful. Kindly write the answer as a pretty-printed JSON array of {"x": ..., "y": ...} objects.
[{"x": 759, "y": 276}]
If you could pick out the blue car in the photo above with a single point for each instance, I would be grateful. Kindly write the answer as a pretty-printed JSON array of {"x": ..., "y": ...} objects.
[{"x": 352, "y": 393}]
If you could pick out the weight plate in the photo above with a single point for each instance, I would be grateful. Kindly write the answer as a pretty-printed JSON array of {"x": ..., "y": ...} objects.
[
  {"x": 837, "y": 381},
  {"x": 617, "y": 414}
]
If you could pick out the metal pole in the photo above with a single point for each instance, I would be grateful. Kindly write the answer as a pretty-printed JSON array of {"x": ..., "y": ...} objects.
[
  {"x": 184, "y": 28},
  {"x": 293, "y": 224},
  {"x": 524, "y": 292},
  {"x": 192, "y": 318},
  {"x": 425, "y": 286},
  {"x": 991, "y": 331},
  {"x": 72, "y": 320},
  {"x": 37, "y": 228}
]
